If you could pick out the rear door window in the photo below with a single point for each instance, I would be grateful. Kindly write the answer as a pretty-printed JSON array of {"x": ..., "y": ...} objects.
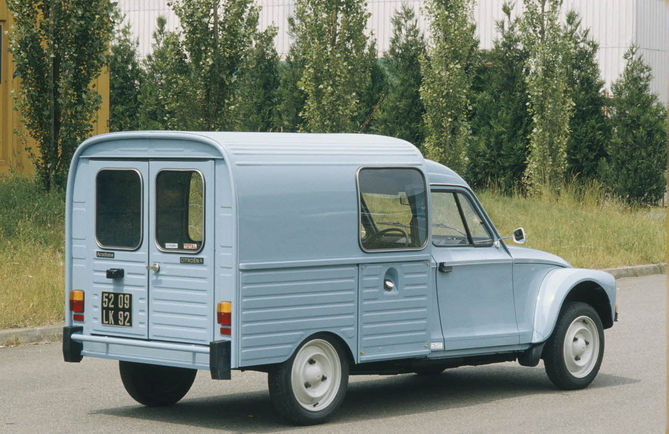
[
  {"x": 180, "y": 210},
  {"x": 118, "y": 218}
]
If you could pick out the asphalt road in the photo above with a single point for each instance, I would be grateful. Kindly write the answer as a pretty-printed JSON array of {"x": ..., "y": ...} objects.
[{"x": 40, "y": 393}]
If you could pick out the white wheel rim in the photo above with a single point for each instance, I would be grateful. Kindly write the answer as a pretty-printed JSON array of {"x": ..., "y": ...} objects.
[
  {"x": 316, "y": 375},
  {"x": 581, "y": 346}
]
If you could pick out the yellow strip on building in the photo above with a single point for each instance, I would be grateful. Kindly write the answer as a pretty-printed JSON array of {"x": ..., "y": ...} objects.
[{"x": 13, "y": 154}]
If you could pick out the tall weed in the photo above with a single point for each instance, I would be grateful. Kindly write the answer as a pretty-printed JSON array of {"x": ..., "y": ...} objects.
[
  {"x": 29, "y": 214},
  {"x": 31, "y": 256},
  {"x": 582, "y": 225}
]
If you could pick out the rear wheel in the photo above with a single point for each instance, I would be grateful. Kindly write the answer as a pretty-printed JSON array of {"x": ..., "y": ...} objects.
[
  {"x": 156, "y": 386},
  {"x": 574, "y": 352},
  {"x": 308, "y": 388}
]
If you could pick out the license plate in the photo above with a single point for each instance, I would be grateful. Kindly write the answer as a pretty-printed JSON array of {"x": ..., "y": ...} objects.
[{"x": 116, "y": 309}]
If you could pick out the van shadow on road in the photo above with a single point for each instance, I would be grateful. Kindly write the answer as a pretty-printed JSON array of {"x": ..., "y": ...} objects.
[{"x": 368, "y": 398}]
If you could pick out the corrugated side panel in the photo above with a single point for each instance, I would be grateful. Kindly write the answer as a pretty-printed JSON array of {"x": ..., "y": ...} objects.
[
  {"x": 226, "y": 253},
  {"x": 282, "y": 307},
  {"x": 394, "y": 324}
]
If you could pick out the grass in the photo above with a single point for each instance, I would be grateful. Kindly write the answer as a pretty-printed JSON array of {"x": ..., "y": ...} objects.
[
  {"x": 581, "y": 226},
  {"x": 31, "y": 256}
]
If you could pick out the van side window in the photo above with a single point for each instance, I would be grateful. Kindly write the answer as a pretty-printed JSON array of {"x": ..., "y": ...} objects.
[
  {"x": 393, "y": 209},
  {"x": 455, "y": 221},
  {"x": 180, "y": 210},
  {"x": 118, "y": 210}
]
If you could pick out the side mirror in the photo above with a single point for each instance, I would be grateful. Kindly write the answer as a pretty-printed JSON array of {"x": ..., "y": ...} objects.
[{"x": 519, "y": 236}]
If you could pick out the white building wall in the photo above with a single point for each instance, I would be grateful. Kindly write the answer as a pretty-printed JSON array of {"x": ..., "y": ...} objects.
[
  {"x": 615, "y": 24},
  {"x": 486, "y": 14},
  {"x": 142, "y": 16},
  {"x": 276, "y": 13},
  {"x": 652, "y": 37}
]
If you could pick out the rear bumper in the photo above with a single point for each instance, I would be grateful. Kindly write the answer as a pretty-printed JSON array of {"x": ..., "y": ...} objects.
[
  {"x": 215, "y": 357},
  {"x": 71, "y": 348}
]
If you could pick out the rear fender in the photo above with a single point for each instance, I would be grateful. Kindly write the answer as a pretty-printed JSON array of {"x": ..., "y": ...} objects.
[{"x": 556, "y": 287}]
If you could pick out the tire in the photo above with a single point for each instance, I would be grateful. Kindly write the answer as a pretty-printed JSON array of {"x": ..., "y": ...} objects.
[
  {"x": 309, "y": 387},
  {"x": 156, "y": 386},
  {"x": 574, "y": 352}
]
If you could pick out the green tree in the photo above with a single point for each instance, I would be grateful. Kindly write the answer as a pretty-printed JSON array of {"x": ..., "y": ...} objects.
[
  {"x": 586, "y": 145},
  {"x": 255, "y": 106},
  {"x": 165, "y": 89},
  {"x": 637, "y": 154},
  {"x": 290, "y": 98},
  {"x": 372, "y": 97},
  {"x": 501, "y": 124},
  {"x": 59, "y": 48},
  {"x": 218, "y": 37},
  {"x": 550, "y": 103},
  {"x": 125, "y": 78},
  {"x": 401, "y": 112},
  {"x": 335, "y": 60},
  {"x": 448, "y": 73}
]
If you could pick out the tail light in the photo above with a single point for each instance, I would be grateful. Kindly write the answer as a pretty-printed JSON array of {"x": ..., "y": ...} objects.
[
  {"x": 77, "y": 304},
  {"x": 224, "y": 317}
]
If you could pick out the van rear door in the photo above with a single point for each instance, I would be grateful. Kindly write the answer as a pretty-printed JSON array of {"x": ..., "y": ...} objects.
[
  {"x": 117, "y": 302},
  {"x": 152, "y": 266},
  {"x": 181, "y": 252}
]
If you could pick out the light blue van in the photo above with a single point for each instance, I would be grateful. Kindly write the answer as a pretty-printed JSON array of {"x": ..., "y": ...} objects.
[{"x": 309, "y": 257}]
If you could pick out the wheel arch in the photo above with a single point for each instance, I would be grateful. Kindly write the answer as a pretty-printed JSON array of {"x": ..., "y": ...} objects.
[
  {"x": 348, "y": 353},
  {"x": 593, "y": 294},
  {"x": 560, "y": 286}
]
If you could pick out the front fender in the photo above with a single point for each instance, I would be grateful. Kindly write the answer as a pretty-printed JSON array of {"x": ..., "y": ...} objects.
[{"x": 556, "y": 286}]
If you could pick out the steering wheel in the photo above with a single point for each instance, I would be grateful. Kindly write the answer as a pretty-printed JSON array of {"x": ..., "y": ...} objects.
[{"x": 378, "y": 234}]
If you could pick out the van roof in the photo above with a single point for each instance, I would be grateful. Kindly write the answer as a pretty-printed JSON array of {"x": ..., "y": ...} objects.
[
  {"x": 440, "y": 174},
  {"x": 266, "y": 149}
]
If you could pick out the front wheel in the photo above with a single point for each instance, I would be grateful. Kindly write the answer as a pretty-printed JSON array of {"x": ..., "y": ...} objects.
[
  {"x": 307, "y": 388},
  {"x": 574, "y": 352},
  {"x": 156, "y": 386}
]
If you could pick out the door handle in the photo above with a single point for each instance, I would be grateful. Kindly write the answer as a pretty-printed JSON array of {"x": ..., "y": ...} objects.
[
  {"x": 154, "y": 267},
  {"x": 115, "y": 273},
  {"x": 445, "y": 268}
]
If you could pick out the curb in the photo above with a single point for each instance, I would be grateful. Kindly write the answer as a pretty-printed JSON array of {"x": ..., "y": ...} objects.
[
  {"x": 54, "y": 333},
  {"x": 637, "y": 270},
  {"x": 31, "y": 335}
]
